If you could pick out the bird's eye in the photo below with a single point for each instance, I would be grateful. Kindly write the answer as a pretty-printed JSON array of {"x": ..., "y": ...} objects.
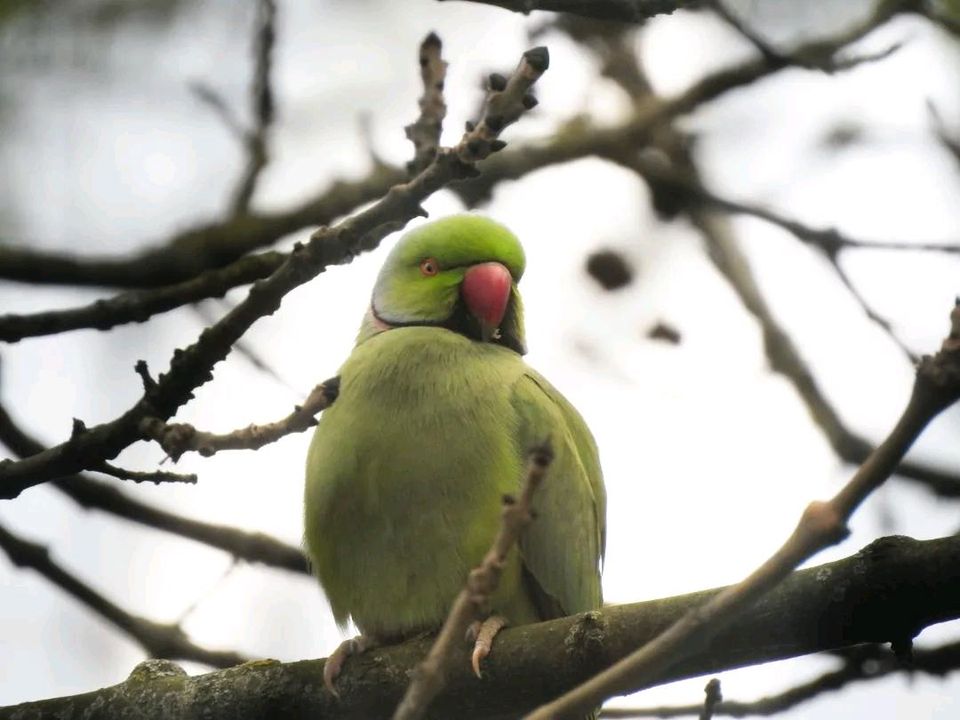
[{"x": 429, "y": 267}]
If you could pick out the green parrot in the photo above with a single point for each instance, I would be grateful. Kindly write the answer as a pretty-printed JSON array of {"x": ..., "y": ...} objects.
[{"x": 436, "y": 414}]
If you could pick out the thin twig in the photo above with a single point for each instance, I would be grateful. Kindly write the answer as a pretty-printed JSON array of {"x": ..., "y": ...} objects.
[
  {"x": 430, "y": 675},
  {"x": 712, "y": 698},
  {"x": 178, "y": 438},
  {"x": 90, "y": 493},
  {"x": 425, "y": 132},
  {"x": 936, "y": 387},
  {"x": 866, "y": 662},
  {"x": 766, "y": 50},
  {"x": 243, "y": 348},
  {"x": 215, "y": 101},
  {"x": 261, "y": 105},
  {"x": 139, "y": 476},
  {"x": 829, "y": 241},
  {"x": 160, "y": 640},
  {"x": 783, "y": 354}
]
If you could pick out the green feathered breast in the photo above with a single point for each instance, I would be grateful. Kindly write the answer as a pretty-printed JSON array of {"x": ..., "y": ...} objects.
[{"x": 406, "y": 473}]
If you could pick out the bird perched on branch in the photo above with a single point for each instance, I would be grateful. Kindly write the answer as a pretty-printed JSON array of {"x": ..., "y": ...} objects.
[{"x": 436, "y": 413}]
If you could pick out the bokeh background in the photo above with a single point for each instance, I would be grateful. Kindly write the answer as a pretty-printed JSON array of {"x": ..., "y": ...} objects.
[{"x": 709, "y": 457}]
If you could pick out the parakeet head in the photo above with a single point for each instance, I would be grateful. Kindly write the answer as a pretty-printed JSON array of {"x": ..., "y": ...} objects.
[{"x": 458, "y": 273}]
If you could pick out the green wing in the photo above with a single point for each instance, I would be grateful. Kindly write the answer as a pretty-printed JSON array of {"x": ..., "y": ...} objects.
[{"x": 563, "y": 547}]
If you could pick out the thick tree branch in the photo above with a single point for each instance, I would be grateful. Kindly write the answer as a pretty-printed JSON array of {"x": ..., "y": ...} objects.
[
  {"x": 178, "y": 438},
  {"x": 888, "y": 590},
  {"x": 161, "y": 640},
  {"x": 193, "y": 366},
  {"x": 90, "y": 493},
  {"x": 936, "y": 387}
]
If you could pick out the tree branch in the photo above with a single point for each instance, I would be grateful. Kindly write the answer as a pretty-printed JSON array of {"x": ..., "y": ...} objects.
[
  {"x": 889, "y": 590},
  {"x": 139, "y": 476},
  {"x": 90, "y": 493},
  {"x": 160, "y": 640},
  {"x": 178, "y": 438}
]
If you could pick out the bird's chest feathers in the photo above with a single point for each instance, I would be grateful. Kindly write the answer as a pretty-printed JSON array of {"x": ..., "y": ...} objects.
[{"x": 430, "y": 425}]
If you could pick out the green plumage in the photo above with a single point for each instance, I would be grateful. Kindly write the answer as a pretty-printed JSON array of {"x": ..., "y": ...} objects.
[{"x": 432, "y": 426}]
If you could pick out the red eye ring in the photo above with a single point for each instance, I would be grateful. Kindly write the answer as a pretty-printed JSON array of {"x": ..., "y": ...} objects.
[{"x": 429, "y": 267}]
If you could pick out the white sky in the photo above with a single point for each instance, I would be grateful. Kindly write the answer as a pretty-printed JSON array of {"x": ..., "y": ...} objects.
[{"x": 708, "y": 457}]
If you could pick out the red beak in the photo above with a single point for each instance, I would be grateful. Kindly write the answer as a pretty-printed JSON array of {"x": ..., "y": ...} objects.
[{"x": 486, "y": 290}]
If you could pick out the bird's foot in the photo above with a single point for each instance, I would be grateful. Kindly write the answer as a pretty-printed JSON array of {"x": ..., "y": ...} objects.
[
  {"x": 334, "y": 663},
  {"x": 482, "y": 635}
]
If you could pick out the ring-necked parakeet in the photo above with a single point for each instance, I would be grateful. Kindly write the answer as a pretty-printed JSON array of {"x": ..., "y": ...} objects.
[{"x": 436, "y": 413}]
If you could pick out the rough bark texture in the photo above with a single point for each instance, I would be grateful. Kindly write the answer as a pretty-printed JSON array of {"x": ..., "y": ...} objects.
[{"x": 885, "y": 593}]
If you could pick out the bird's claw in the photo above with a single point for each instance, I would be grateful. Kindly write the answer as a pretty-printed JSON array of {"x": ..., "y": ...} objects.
[
  {"x": 334, "y": 664},
  {"x": 482, "y": 634}
]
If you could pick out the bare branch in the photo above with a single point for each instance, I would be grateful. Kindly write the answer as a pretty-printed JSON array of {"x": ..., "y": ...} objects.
[
  {"x": 633, "y": 11},
  {"x": 783, "y": 354},
  {"x": 214, "y": 100},
  {"x": 244, "y": 347},
  {"x": 139, "y": 476},
  {"x": 157, "y": 639},
  {"x": 866, "y": 662},
  {"x": 262, "y": 107},
  {"x": 936, "y": 387},
  {"x": 430, "y": 676},
  {"x": 193, "y": 366},
  {"x": 178, "y": 438},
  {"x": 830, "y": 242},
  {"x": 141, "y": 305},
  {"x": 890, "y": 589},
  {"x": 90, "y": 493},
  {"x": 425, "y": 132}
]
